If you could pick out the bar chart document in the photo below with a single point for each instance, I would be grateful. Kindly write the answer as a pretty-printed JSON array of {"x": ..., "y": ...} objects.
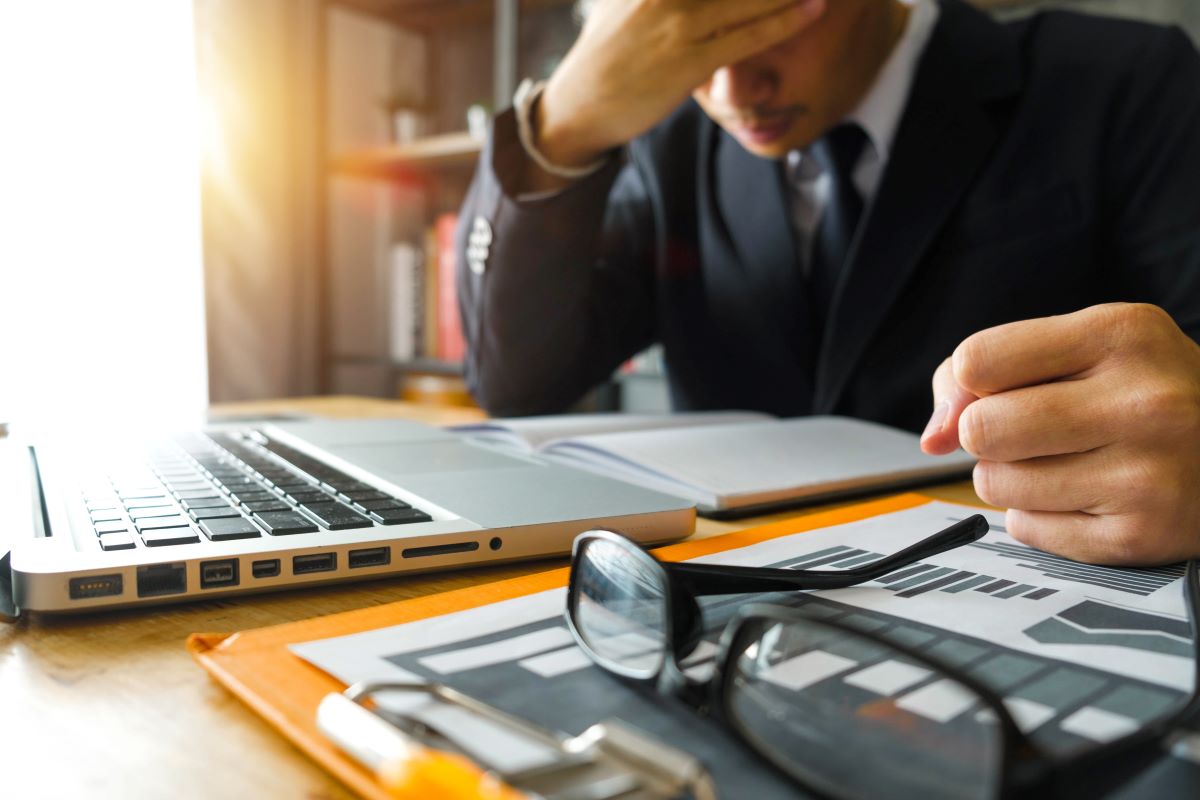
[{"x": 1081, "y": 654}]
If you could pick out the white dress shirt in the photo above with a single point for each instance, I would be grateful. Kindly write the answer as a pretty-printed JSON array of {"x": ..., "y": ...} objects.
[{"x": 879, "y": 116}]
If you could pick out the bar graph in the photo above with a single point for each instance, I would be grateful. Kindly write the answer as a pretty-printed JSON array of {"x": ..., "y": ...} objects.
[
  {"x": 1141, "y": 581},
  {"x": 917, "y": 579}
]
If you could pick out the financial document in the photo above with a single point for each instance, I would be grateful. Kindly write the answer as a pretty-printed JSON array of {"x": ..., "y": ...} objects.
[{"x": 1080, "y": 654}]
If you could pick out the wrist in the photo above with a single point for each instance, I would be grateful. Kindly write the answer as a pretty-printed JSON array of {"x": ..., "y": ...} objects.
[{"x": 561, "y": 135}]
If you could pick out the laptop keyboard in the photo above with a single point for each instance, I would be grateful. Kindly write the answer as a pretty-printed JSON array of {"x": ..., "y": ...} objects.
[{"x": 224, "y": 486}]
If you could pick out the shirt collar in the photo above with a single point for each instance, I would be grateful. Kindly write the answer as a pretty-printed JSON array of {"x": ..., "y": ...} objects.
[{"x": 880, "y": 110}]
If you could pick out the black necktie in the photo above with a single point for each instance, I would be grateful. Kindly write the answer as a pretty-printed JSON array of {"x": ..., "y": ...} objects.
[{"x": 837, "y": 153}]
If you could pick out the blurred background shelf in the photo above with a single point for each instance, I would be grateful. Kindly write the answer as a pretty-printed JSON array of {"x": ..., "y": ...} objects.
[{"x": 458, "y": 150}]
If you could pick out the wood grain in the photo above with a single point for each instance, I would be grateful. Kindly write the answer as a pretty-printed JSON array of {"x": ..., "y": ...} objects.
[{"x": 111, "y": 705}]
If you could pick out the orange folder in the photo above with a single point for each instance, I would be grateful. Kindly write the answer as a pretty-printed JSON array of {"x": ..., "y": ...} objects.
[{"x": 257, "y": 666}]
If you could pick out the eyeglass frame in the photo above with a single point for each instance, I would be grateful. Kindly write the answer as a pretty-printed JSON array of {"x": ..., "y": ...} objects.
[
  {"x": 685, "y": 581},
  {"x": 1023, "y": 765}
]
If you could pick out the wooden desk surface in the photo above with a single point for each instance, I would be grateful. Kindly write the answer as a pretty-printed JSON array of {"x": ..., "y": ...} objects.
[{"x": 111, "y": 705}]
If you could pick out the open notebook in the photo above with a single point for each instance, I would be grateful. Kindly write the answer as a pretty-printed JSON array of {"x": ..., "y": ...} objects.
[{"x": 731, "y": 463}]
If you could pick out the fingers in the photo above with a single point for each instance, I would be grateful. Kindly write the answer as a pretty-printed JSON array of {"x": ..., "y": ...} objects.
[
  {"x": 715, "y": 17},
  {"x": 941, "y": 434},
  {"x": 763, "y": 32},
  {"x": 1032, "y": 351},
  {"x": 1080, "y": 482},
  {"x": 1053, "y": 419},
  {"x": 1107, "y": 539}
]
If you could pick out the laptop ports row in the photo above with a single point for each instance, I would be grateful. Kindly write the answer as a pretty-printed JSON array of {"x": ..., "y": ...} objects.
[
  {"x": 219, "y": 574},
  {"x": 370, "y": 557},
  {"x": 316, "y": 562}
]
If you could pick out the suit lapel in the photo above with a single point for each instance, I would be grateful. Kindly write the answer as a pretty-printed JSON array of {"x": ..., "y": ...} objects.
[{"x": 947, "y": 132}]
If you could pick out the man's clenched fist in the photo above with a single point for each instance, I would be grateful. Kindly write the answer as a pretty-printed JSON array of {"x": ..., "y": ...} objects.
[{"x": 1086, "y": 427}]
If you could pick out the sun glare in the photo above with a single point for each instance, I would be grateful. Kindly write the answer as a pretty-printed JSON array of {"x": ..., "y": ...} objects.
[{"x": 101, "y": 292}]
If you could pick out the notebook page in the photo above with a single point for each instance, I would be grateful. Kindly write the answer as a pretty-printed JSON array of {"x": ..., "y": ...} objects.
[
  {"x": 537, "y": 432},
  {"x": 761, "y": 462}
]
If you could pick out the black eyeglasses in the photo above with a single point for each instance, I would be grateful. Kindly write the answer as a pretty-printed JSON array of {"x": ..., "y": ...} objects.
[{"x": 638, "y": 618}]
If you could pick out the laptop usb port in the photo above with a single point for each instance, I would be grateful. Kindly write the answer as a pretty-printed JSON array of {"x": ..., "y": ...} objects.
[
  {"x": 319, "y": 562},
  {"x": 96, "y": 586},
  {"x": 215, "y": 574},
  {"x": 372, "y": 557},
  {"x": 268, "y": 568}
]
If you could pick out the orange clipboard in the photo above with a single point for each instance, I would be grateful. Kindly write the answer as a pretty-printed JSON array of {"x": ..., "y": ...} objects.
[{"x": 284, "y": 689}]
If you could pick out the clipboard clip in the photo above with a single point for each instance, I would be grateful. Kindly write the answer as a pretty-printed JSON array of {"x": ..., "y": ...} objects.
[{"x": 413, "y": 758}]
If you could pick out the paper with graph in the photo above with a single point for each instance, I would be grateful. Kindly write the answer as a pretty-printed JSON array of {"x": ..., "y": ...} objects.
[{"x": 1080, "y": 654}]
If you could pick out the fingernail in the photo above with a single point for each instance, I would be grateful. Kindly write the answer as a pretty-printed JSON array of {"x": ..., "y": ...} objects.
[{"x": 935, "y": 422}]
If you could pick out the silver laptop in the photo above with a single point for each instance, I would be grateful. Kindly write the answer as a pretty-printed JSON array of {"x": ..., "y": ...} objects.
[{"x": 233, "y": 510}]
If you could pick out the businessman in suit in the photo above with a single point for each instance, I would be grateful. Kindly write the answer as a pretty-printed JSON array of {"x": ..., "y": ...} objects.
[{"x": 859, "y": 195}]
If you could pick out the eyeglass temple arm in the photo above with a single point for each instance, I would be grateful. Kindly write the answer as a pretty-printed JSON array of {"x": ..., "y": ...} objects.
[{"x": 723, "y": 579}]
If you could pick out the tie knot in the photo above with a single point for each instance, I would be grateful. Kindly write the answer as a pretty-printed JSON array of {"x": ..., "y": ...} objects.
[{"x": 839, "y": 149}]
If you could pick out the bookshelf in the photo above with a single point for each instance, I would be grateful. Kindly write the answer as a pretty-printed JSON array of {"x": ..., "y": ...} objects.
[{"x": 456, "y": 53}]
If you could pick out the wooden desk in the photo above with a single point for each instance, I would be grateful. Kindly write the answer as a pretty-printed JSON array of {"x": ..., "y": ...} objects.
[{"x": 111, "y": 705}]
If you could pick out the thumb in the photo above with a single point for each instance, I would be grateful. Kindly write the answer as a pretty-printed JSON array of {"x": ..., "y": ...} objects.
[{"x": 949, "y": 401}]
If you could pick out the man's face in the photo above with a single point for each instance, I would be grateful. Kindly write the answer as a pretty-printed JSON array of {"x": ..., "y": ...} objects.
[{"x": 784, "y": 98}]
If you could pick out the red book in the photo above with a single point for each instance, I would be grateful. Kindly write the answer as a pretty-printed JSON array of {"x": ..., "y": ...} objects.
[{"x": 451, "y": 346}]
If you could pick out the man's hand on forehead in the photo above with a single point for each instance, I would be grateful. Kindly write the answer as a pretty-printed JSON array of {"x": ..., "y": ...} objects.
[{"x": 636, "y": 60}]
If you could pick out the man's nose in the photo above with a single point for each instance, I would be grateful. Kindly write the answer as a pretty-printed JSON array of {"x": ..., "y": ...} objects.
[{"x": 743, "y": 85}]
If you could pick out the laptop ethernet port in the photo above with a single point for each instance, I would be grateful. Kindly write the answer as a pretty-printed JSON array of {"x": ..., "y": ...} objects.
[
  {"x": 160, "y": 579},
  {"x": 267, "y": 568},
  {"x": 316, "y": 562},
  {"x": 96, "y": 586},
  {"x": 371, "y": 557},
  {"x": 218, "y": 574}
]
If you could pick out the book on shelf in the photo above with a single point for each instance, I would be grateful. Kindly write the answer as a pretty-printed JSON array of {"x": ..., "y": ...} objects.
[
  {"x": 408, "y": 301},
  {"x": 731, "y": 463},
  {"x": 451, "y": 344},
  {"x": 429, "y": 342}
]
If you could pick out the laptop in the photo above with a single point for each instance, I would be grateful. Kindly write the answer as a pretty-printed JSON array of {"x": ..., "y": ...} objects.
[{"x": 237, "y": 509}]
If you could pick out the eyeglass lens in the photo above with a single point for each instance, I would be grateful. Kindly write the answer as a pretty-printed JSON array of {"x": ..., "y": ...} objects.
[
  {"x": 621, "y": 607},
  {"x": 856, "y": 717}
]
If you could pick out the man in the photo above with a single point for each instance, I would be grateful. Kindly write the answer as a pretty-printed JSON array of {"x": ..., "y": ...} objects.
[{"x": 856, "y": 192}]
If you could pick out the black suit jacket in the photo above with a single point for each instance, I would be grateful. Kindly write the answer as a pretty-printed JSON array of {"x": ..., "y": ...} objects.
[{"x": 1040, "y": 167}]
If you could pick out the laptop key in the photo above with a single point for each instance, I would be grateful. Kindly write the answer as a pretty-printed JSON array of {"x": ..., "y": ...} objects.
[
  {"x": 198, "y": 494},
  {"x": 282, "y": 523},
  {"x": 153, "y": 512},
  {"x": 107, "y": 516},
  {"x": 363, "y": 494},
  {"x": 337, "y": 516},
  {"x": 213, "y": 513},
  {"x": 400, "y": 516},
  {"x": 149, "y": 502},
  {"x": 346, "y": 484},
  {"x": 222, "y": 530},
  {"x": 205, "y": 502},
  {"x": 170, "y": 536},
  {"x": 117, "y": 541},
  {"x": 251, "y": 495},
  {"x": 259, "y": 506},
  {"x": 110, "y": 527},
  {"x": 303, "y": 498},
  {"x": 162, "y": 522},
  {"x": 379, "y": 505}
]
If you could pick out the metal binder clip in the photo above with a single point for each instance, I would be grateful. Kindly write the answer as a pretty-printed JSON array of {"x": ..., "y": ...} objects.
[{"x": 608, "y": 760}]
